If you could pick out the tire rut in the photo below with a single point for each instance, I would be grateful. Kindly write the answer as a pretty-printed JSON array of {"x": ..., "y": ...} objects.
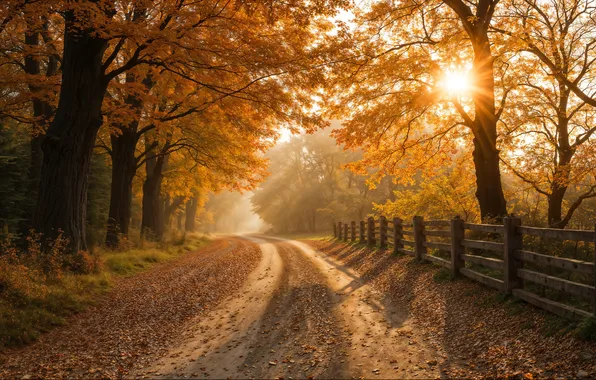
[{"x": 300, "y": 336}]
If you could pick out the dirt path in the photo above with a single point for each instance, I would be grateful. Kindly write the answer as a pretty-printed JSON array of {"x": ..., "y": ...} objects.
[
  {"x": 383, "y": 341},
  {"x": 219, "y": 340},
  {"x": 300, "y": 315},
  {"x": 252, "y": 307}
]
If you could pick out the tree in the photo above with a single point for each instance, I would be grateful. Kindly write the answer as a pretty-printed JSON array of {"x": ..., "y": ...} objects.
[
  {"x": 13, "y": 168},
  {"x": 548, "y": 29},
  {"x": 446, "y": 193},
  {"x": 558, "y": 152},
  {"x": 197, "y": 42},
  {"x": 70, "y": 138},
  {"x": 29, "y": 66},
  {"x": 390, "y": 86},
  {"x": 223, "y": 146}
]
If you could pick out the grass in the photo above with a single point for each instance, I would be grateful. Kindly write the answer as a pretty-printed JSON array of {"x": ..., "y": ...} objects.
[
  {"x": 556, "y": 325},
  {"x": 586, "y": 330},
  {"x": 32, "y": 303},
  {"x": 134, "y": 261},
  {"x": 442, "y": 275}
]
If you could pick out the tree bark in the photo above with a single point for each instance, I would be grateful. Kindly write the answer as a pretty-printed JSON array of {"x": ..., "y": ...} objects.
[
  {"x": 489, "y": 190},
  {"x": 179, "y": 219},
  {"x": 170, "y": 208},
  {"x": 42, "y": 113},
  {"x": 191, "y": 214},
  {"x": 69, "y": 142},
  {"x": 560, "y": 182},
  {"x": 152, "y": 222},
  {"x": 563, "y": 158},
  {"x": 124, "y": 167}
]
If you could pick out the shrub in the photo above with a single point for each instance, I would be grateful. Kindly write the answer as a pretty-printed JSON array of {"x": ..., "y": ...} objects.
[
  {"x": 586, "y": 330},
  {"x": 81, "y": 262}
]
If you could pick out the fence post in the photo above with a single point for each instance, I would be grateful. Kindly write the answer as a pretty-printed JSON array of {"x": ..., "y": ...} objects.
[
  {"x": 457, "y": 235},
  {"x": 371, "y": 231},
  {"x": 334, "y": 230},
  {"x": 340, "y": 230},
  {"x": 383, "y": 232},
  {"x": 362, "y": 238},
  {"x": 397, "y": 235},
  {"x": 353, "y": 228},
  {"x": 346, "y": 232},
  {"x": 513, "y": 241},
  {"x": 419, "y": 238}
]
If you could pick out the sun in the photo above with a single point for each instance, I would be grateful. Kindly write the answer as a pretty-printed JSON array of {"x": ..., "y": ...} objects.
[{"x": 456, "y": 82}]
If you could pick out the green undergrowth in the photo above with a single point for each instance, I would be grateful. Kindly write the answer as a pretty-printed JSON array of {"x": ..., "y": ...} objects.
[{"x": 34, "y": 300}]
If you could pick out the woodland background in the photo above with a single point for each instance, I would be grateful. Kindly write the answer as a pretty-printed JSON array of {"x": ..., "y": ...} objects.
[{"x": 120, "y": 118}]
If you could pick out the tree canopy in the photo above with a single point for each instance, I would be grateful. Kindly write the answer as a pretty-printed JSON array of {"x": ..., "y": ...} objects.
[{"x": 480, "y": 107}]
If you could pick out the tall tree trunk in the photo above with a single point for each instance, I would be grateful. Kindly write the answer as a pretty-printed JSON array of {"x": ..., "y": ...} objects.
[
  {"x": 152, "y": 222},
  {"x": 170, "y": 208},
  {"x": 179, "y": 224},
  {"x": 69, "y": 142},
  {"x": 489, "y": 190},
  {"x": 191, "y": 214},
  {"x": 562, "y": 160},
  {"x": 560, "y": 182},
  {"x": 124, "y": 146},
  {"x": 124, "y": 167},
  {"x": 42, "y": 112},
  {"x": 555, "y": 206}
]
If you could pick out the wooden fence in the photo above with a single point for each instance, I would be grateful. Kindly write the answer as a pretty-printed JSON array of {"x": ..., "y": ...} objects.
[{"x": 497, "y": 259}]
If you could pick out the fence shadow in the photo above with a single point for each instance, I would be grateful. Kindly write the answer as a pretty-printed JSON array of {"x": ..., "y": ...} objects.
[{"x": 477, "y": 330}]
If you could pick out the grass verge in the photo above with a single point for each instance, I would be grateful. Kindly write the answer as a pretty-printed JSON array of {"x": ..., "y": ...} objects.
[{"x": 33, "y": 302}]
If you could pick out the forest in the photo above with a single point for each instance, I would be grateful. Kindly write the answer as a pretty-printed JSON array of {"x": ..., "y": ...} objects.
[
  {"x": 127, "y": 115},
  {"x": 133, "y": 132}
]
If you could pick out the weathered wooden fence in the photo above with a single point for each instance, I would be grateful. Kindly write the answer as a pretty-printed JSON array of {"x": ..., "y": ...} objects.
[{"x": 497, "y": 259}]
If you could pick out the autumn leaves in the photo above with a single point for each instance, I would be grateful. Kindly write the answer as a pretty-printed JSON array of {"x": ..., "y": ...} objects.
[
  {"x": 524, "y": 119},
  {"x": 186, "y": 96},
  {"x": 194, "y": 90}
]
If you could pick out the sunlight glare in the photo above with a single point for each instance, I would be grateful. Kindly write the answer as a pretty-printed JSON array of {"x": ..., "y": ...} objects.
[{"x": 456, "y": 82}]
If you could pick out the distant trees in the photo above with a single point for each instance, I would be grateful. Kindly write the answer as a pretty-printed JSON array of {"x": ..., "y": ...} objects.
[{"x": 308, "y": 187}]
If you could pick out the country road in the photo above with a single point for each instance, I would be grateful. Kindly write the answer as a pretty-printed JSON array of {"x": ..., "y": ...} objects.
[
  {"x": 242, "y": 307},
  {"x": 261, "y": 307},
  {"x": 299, "y": 315}
]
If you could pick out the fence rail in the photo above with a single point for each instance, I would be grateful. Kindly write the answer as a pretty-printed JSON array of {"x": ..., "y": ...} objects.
[{"x": 498, "y": 253}]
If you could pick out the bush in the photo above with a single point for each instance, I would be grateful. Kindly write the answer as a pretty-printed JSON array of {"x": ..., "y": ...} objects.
[{"x": 586, "y": 330}]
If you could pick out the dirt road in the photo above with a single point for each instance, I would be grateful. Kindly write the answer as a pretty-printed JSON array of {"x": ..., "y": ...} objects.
[
  {"x": 243, "y": 307},
  {"x": 299, "y": 315}
]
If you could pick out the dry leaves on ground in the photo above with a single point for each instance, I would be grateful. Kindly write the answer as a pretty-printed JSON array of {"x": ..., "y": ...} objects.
[
  {"x": 479, "y": 333},
  {"x": 139, "y": 318}
]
